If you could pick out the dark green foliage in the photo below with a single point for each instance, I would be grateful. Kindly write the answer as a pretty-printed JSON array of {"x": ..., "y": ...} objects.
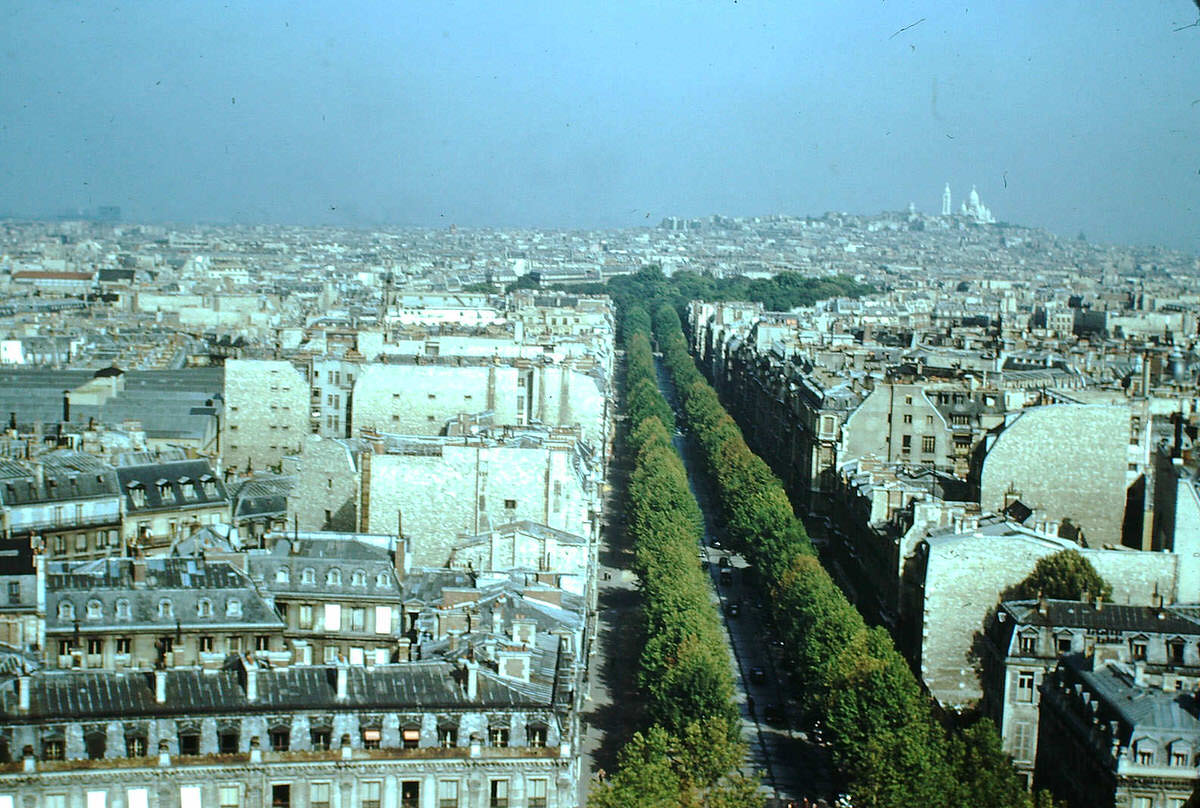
[
  {"x": 1066, "y": 575},
  {"x": 692, "y": 748}
]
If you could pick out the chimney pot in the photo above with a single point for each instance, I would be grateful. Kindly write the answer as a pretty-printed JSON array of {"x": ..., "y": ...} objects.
[
  {"x": 251, "y": 678},
  {"x": 472, "y": 681},
  {"x": 23, "y": 694},
  {"x": 160, "y": 686},
  {"x": 342, "y": 681},
  {"x": 164, "y": 753}
]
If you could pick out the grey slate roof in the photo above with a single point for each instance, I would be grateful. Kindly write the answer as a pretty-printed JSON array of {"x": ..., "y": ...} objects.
[
  {"x": 1111, "y": 616},
  {"x": 173, "y": 496},
  {"x": 90, "y": 695}
]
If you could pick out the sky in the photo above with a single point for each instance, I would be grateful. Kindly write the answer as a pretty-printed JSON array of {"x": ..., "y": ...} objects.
[{"x": 1075, "y": 116}]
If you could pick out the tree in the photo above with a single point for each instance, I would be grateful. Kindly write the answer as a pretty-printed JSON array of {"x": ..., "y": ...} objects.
[{"x": 1066, "y": 575}]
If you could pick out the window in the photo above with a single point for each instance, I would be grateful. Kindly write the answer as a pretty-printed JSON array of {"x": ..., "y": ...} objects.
[
  {"x": 228, "y": 796},
  {"x": 95, "y": 610},
  {"x": 410, "y": 737},
  {"x": 447, "y": 736},
  {"x": 331, "y": 654},
  {"x": 165, "y": 608},
  {"x": 382, "y": 580},
  {"x": 908, "y": 418},
  {"x": 227, "y": 741},
  {"x": 510, "y": 504},
  {"x": 204, "y": 607},
  {"x": 908, "y": 400},
  {"x": 334, "y": 577},
  {"x": 359, "y": 578},
  {"x": 1025, "y": 686},
  {"x": 262, "y": 642},
  {"x": 233, "y": 608},
  {"x": 123, "y": 612},
  {"x": 81, "y": 542},
  {"x": 306, "y": 615},
  {"x": 235, "y": 645},
  {"x": 929, "y": 420},
  {"x": 371, "y": 791},
  {"x": 206, "y": 645},
  {"x": 318, "y": 795},
  {"x": 66, "y": 610},
  {"x": 308, "y": 575},
  {"x": 1022, "y": 748},
  {"x": 95, "y": 743},
  {"x": 135, "y": 746},
  {"x": 95, "y": 646},
  {"x": 1063, "y": 644},
  {"x": 499, "y": 794},
  {"x": 14, "y": 592},
  {"x": 535, "y": 735},
  {"x": 1175, "y": 652},
  {"x": 1145, "y": 756},
  {"x": 371, "y": 738},
  {"x": 321, "y": 738},
  {"x": 282, "y": 575},
  {"x": 53, "y": 749},
  {"x": 383, "y": 619},
  {"x": 281, "y": 795},
  {"x": 1028, "y": 644},
  {"x": 281, "y": 609},
  {"x": 906, "y": 442},
  {"x": 167, "y": 644},
  {"x": 358, "y": 619},
  {"x": 60, "y": 545},
  {"x": 57, "y": 801},
  {"x": 280, "y": 736},
  {"x": 928, "y": 443},
  {"x": 137, "y": 798},
  {"x": 498, "y": 736},
  {"x": 123, "y": 645},
  {"x": 97, "y": 799},
  {"x": 189, "y": 742},
  {"x": 447, "y": 794},
  {"x": 1138, "y": 648},
  {"x": 537, "y": 793},
  {"x": 333, "y": 617},
  {"x": 1179, "y": 757}
]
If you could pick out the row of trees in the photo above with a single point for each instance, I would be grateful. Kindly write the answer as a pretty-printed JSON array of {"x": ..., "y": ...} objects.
[
  {"x": 780, "y": 292},
  {"x": 850, "y": 678},
  {"x": 690, "y": 750}
]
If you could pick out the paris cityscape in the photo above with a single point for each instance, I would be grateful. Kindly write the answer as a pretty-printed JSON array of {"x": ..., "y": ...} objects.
[{"x": 531, "y": 482}]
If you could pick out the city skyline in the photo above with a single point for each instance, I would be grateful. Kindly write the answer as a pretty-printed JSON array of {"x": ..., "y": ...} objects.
[{"x": 1071, "y": 118}]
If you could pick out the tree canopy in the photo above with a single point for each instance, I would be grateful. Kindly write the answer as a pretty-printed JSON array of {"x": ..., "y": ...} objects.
[{"x": 1065, "y": 575}]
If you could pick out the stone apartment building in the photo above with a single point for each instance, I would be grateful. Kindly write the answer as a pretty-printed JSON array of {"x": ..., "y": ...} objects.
[
  {"x": 68, "y": 503},
  {"x": 434, "y": 488},
  {"x": 167, "y": 500},
  {"x": 337, "y": 595},
  {"x": 420, "y": 398},
  {"x": 1027, "y": 638},
  {"x": 267, "y": 412},
  {"x": 1111, "y": 736},
  {"x": 113, "y": 614}
]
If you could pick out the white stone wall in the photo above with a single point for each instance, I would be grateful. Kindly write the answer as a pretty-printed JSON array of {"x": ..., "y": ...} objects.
[
  {"x": 266, "y": 412},
  {"x": 1067, "y": 461},
  {"x": 467, "y": 490}
]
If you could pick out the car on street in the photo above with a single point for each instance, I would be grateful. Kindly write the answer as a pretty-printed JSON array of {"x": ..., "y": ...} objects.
[
  {"x": 733, "y": 610},
  {"x": 726, "y": 576},
  {"x": 773, "y": 714},
  {"x": 757, "y": 675},
  {"x": 723, "y": 562}
]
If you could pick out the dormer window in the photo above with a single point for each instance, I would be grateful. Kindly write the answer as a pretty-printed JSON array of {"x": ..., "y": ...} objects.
[
  {"x": 1175, "y": 648},
  {"x": 233, "y": 608},
  {"x": 1181, "y": 754},
  {"x": 164, "y": 488},
  {"x": 137, "y": 495},
  {"x": 209, "y": 486},
  {"x": 381, "y": 580},
  {"x": 333, "y": 577},
  {"x": 1137, "y": 648},
  {"x": 359, "y": 578},
  {"x": 535, "y": 735},
  {"x": 123, "y": 609},
  {"x": 283, "y": 575},
  {"x": 204, "y": 607},
  {"x": 308, "y": 576},
  {"x": 1027, "y": 644},
  {"x": 66, "y": 610},
  {"x": 95, "y": 610},
  {"x": 166, "y": 608},
  {"x": 190, "y": 493}
]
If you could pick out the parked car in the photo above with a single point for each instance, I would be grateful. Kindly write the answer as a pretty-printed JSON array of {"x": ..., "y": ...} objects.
[
  {"x": 733, "y": 610},
  {"x": 757, "y": 675}
]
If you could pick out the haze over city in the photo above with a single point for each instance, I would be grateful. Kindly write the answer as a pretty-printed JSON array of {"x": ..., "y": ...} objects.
[{"x": 1080, "y": 117}]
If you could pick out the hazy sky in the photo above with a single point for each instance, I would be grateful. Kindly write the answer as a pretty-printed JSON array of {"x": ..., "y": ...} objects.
[{"x": 1070, "y": 115}]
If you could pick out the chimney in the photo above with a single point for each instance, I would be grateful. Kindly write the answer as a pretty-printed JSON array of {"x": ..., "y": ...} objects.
[
  {"x": 1099, "y": 602},
  {"x": 401, "y": 557},
  {"x": 255, "y": 750},
  {"x": 66, "y": 407},
  {"x": 1043, "y": 606},
  {"x": 346, "y": 748},
  {"x": 23, "y": 694},
  {"x": 472, "y": 681},
  {"x": 160, "y": 686},
  {"x": 164, "y": 753},
  {"x": 251, "y": 678},
  {"x": 497, "y": 620},
  {"x": 29, "y": 761},
  {"x": 343, "y": 674}
]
